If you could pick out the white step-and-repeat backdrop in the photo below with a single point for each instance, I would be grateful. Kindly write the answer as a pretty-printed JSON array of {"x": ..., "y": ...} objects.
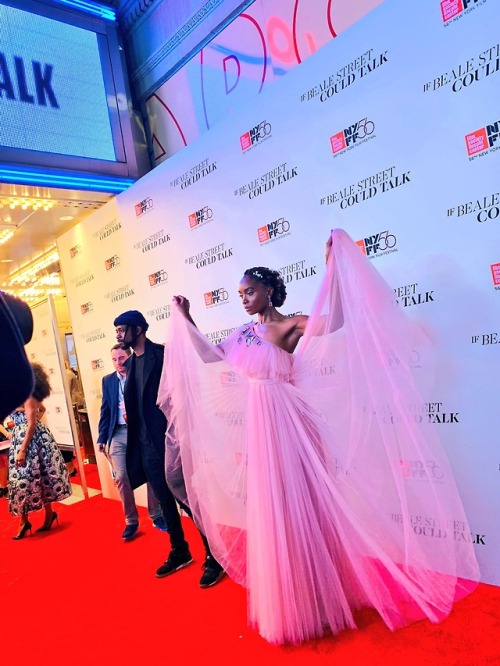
[{"x": 390, "y": 131}]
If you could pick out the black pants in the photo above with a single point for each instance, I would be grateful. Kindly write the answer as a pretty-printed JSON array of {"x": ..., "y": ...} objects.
[{"x": 154, "y": 468}]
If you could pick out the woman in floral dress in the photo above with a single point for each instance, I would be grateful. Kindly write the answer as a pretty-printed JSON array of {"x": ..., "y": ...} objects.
[{"x": 37, "y": 472}]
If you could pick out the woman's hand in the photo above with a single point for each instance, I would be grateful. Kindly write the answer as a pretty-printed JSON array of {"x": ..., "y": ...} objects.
[
  {"x": 328, "y": 248},
  {"x": 21, "y": 458},
  {"x": 182, "y": 304}
]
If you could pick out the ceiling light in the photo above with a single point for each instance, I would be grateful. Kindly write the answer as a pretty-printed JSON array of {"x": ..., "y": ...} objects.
[{"x": 65, "y": 218}]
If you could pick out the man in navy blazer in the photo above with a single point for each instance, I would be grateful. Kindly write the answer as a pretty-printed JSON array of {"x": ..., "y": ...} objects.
[
  {"x": 147, "y": 427},
  {"x": 112, "y": 441}
]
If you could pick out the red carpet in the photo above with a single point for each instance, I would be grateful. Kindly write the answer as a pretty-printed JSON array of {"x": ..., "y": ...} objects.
[{"x": 79, "y": 595}]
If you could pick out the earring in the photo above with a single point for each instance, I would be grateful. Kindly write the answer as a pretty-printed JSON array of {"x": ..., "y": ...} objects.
[{"x": 270, "y": 302}]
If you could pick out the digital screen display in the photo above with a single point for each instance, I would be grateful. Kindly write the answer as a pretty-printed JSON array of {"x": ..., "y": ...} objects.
[{"x": 52, "y": 92}]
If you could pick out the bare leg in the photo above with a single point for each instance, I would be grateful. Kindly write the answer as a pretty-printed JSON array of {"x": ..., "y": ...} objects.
[{"x": 48, "y": 514}]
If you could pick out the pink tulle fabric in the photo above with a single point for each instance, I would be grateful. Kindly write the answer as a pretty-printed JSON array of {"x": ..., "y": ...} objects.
[{"x": 317, "y": 477}]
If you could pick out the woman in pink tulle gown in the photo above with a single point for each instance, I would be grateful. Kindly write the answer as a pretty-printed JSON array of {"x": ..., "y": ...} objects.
[{"x": 311, "y": 468}]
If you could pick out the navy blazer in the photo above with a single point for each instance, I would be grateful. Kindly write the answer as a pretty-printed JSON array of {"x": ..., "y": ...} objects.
[
  {"x": 156, "y": 423},
  {"x": 109, "y": 408}
]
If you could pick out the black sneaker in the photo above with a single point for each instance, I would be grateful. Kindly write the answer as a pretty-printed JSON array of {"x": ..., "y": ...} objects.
[
  {"x": 130, "y": 532},
  {"x": 178, "y": 559},
  {"x": 213, "y": 572}
]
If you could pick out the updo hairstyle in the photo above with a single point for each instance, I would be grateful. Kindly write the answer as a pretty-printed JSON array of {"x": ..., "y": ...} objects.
[
  {"x": 269, "y": 278},
  {"x": 42, "y": 388}
]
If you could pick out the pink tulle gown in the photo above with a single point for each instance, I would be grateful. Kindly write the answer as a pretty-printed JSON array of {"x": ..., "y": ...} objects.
[{"x": 317, "y": 477}]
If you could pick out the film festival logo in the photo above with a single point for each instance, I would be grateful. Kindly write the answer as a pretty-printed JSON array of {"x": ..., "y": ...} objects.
[
  {"x": 273, "y": 231},
  {"x": 483, "y": 140},
  {"x": 201, "y": 216},
  {"x": 367, "y": 188},
  {"x": 410, "y": 294},
  {"x": 346, "y": 76},
  {"x": 97, "y": 364},
  {"x": 157, "y": 278},
  {"x": 495, "y": 274},
  {"x": 112, "y": 262},
  {"x": 485, "y": 209},
  {"x": 454, "y": 9},
  {"x": 257, "y": 134},
  {"x": 352, "y": 136},
  {"x": 87, "y": 307},
  {"x": 143, "y": 207},
  {"x": 421, "y": 470},
  {"x": 75, "y": 251},
  {"x": 378, "y": 244},
  {"x": 216, "y": 297}
]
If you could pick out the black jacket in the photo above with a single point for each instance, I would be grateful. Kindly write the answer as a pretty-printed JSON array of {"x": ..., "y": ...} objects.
[{"x": 156, "y": 423}]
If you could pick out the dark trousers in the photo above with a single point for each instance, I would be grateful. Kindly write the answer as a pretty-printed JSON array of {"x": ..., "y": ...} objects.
[{"x": 154, "y": 468}]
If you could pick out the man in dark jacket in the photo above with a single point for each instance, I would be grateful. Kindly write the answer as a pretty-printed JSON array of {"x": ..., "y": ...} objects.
[{"x": 146, "y": 431}]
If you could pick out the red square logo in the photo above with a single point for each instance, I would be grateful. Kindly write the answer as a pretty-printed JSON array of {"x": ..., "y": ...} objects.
[
  {"x": 476, "y": 141},
  {"x": 361, "y": 244},
  {"x": 138, "y": 209},
  {"x": 152, "y": 279},
  {"x": 495, "y": 273},
  {"x": 263, "y": 234},
  {"x": 337, "y": 142},
  {"x": 208, "y": 298},
  {"x": 192, "y": 220},
  {"x": 245, "y": 141},
  {"x": 450, "y": 8}
]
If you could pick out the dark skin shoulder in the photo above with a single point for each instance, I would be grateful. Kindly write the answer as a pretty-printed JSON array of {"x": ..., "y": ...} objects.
[{"x": 284, "y": 332}]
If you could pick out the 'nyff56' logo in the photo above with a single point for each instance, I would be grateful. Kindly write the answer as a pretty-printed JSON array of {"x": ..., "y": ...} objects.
[
  {"x": 203, "y": 215},
  {"x": 347, "y": 137},
  {"x": 257, "y": 133},
  {"x": 143, "y": 206},
  {"x": 380, "y": 242},
  {"x": 273, "y": 230},
  {"x": 482, "y": 139},
  {"x": 86, "y": 307},
  {"x": 75, "y": 250},
  {"x": 451, "y": 8},
  {"x": 112, "y": 262},
  {"x": 215, "y": 297},
  {"x": 157, "y": 278},
  {"x": 97, "y": 364},
  {"x": 495, "y": 273}
]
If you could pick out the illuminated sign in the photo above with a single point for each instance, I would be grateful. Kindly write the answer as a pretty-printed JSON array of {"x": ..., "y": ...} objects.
[{"x": 52, "y": 91}]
